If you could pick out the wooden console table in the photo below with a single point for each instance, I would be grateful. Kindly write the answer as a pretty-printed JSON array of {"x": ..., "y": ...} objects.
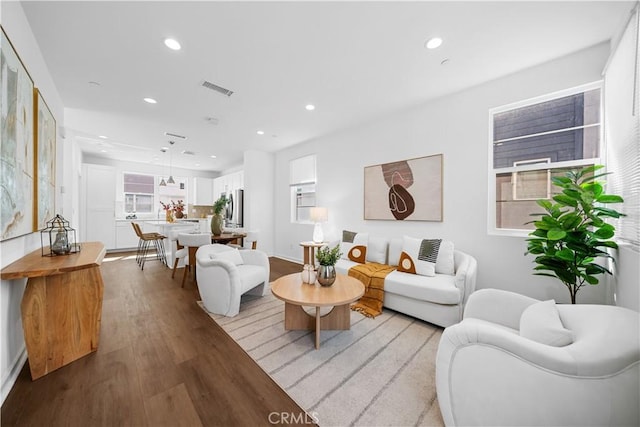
[{"x": 61, "y": 307}]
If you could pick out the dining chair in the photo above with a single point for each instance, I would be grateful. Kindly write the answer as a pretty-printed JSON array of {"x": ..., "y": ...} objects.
[
  {"x": 251, "y": 237},
  {"x": 190, "y": 242},
  {"x": 180, "y": 253}
]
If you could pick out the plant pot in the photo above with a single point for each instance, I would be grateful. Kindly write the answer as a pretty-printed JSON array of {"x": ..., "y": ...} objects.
[
  {"x": 216, "y": 224},
  {"x": 169, "y": 215},
  {"x": 179, "y": 214},
  {"x": 326, "y": 275}
]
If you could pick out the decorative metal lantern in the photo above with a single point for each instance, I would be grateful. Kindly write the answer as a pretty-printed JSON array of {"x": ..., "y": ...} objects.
[{"x": 61, "y": 238}]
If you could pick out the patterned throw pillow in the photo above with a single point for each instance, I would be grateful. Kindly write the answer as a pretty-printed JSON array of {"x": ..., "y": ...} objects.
[
  {"x": 419, "y": 256},
  {"x": 354, "y": 246},
  {"x": 348, "y": 236}
]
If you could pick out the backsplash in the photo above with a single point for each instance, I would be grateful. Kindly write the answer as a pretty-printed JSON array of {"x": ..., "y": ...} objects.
[{"x": 194, "y": 211}]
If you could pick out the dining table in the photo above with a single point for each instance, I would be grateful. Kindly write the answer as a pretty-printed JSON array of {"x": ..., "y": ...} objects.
[{"x": 226, "y": 238}]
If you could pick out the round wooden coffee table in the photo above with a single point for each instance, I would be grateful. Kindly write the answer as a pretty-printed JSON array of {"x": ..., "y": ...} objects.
[{"x": 296, "y": 294}]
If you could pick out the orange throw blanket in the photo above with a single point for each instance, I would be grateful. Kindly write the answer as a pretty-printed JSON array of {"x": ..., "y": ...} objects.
[{"x": 372, "y": 276}]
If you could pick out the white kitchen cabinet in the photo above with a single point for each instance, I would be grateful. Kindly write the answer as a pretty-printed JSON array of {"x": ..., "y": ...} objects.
[
  {"x": 126, "y": 237},
  {"x": 228, "y": 184},
  {"x": 218, "y": 188},
  {"x": 177, "y": 190},
  {"x": 237, "y": 179},
  {"x": 202, "y": 191}
]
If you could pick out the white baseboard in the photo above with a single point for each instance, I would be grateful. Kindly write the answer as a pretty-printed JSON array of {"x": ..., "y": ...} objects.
[
  {"x": 297, "y": 261},
  {"x": 10, "y": 378}
]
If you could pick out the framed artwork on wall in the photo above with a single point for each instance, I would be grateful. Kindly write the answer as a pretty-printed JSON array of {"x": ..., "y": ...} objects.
[
  {"x": 17, "y": 148},
  {"x": 45, "y": 166},
  {"x": 407, "y": 190}
]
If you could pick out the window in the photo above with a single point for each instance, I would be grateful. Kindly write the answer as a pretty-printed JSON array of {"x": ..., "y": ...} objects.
[
  {"x": 533, "y": 141},
  {"x": 622, "y": 119},
  {"x": 138, "y": 193},
  {"x": 302, "y": 181}
]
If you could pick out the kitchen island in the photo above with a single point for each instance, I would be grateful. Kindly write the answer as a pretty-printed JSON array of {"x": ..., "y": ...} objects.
[{"x": 165, "y": 228}]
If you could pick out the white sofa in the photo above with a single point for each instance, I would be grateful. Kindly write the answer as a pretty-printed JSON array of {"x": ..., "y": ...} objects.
[
  {"x": 225, "y": 273},
  {"x": 439, "y": 300},
  {"x": 503, "y": 364}
]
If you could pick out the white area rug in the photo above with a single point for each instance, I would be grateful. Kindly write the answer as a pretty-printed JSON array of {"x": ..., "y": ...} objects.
[{"x": 379, "y": 373}]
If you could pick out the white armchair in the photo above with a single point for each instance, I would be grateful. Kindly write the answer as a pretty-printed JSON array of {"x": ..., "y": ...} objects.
[
  {"x": 488, "y": 373},
  {"x": 225, "y": 273}
]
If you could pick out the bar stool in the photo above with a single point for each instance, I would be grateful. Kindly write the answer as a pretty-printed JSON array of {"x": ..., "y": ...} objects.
[
  {"x": 145, "y": 241},
  {"x": 191, "y": 242}
]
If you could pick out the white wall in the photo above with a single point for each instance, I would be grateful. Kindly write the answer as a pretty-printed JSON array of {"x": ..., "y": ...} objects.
[
  {"x": 12, "y": 350},
  {"x": 457, "y": 127},
  {"x": 259, "y": 196}
]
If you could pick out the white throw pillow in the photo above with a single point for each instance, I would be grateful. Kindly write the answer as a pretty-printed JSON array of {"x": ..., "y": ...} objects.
[
  {"x": 541, "y": 322},
  {"x": 445, "y": 263},
  {"x": 377, "y": 249},
  {"x": 355, "y": 251},
  {"x": 233, "y": 256},
  {"x": 417, "y": 257}
]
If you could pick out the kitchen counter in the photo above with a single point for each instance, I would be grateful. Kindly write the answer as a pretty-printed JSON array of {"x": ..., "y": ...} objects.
[
  {"x": 155, "y": 221},
  {"x": 165, "y": 228}
]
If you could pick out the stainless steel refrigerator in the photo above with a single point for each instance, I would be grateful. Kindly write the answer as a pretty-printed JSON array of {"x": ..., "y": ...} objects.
[{"x": 234, "y": 210}]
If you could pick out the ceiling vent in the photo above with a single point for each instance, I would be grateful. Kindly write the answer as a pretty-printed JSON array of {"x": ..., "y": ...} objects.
[
  {"x": 217, "y": 88},
  {"x": 189, "y": 152},
  {"x": 174, "y": 135}
]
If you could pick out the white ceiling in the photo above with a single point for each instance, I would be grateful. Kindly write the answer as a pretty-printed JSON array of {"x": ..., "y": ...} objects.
[{"x": 356, "y": 61}]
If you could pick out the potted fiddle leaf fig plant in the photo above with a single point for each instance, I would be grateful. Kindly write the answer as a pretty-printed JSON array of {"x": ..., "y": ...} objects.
[
  {"x": 217, "y": 220},
  {"x": 573, "y": 233}
]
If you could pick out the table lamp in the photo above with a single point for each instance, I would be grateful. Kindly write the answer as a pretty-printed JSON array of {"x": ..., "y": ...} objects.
[{"x": 318, "y": 215}]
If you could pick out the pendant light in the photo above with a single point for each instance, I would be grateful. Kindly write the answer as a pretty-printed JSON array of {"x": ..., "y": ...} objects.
[
  {"x": 170, "y": 180},
  {"x": 162, "y": 183}
]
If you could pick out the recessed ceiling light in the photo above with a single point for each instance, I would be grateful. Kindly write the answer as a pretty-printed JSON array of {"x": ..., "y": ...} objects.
[
  {"x": 102, "y": 136},
  {"x": 172, "y": 44},
  {"x": 197, "y": 164},
  {"x": 150, "y": 100},
  {"x": 260, "y": 132},
  {"x": 433, "y": 43},
  {"x": 310, "y": 107},
  {"x": 213, "y": 157},
  {"x": 103, "y": 151},
  {"x": 164, "y": 149}
]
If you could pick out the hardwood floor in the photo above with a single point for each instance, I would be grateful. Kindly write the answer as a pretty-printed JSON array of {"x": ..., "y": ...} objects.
[{"x": 161, "y": 361}]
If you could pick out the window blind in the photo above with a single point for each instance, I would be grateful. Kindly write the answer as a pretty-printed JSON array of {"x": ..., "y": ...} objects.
[
  {"x": 622, "y": 129},
  {"x": 302, "y": 170}
]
